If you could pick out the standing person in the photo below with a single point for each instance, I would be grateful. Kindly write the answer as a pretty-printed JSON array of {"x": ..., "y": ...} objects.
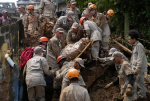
[
  {"x": 102, "y": 22},
  {"x": 125, "y": 79},
  {"x": 47, "y": 8},
  {"x": 138, "y": 62},
  {"x": 76, "y": 10},
  {"x": 74, "y": 92},
  {"x": 93, "y": 32},
  {"x": 4, "y": 20},
  {"x": 23, "y": 14},
  {"x": 31, "y": 22},
  {"x": 54, "y": 48},
  {"x": 34, "y": 72},
  {"x": 64, "y": 12},
  {"x": 87, "y": 12}
]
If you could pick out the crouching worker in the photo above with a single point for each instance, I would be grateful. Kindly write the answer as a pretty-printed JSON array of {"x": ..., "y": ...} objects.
[
  {"x": 74, "y": 92},
  {"x": 126, "y": 79},
  {"x": 34, "y": 75}
]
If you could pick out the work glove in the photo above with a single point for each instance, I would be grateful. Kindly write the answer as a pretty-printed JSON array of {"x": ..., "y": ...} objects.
[
  {"x": 108, "y": 85},
  {"x": 129, "y": 92},
  {"x": 146, "y": 77},
  {"x": 136, "y": 72}
]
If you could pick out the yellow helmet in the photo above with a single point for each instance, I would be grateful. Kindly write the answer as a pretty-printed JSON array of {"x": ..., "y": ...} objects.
[
  {"x": 110, "y": 12},
  {"x": 30, "y": 7},
  {"x": 92, "y": 6},
  {"x": 73, "y": 73}
]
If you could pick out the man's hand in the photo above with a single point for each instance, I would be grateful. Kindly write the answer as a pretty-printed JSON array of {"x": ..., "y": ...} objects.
[{"x": 136, "y": 72}]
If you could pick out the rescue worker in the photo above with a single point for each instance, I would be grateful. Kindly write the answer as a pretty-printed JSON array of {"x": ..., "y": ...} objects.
[
  {"x": 65, "y": 22},
  {"x": 87, "y": 12},
  {"x": 43, "y": 42},
  {"x": 31, "y": 22},
  {"x": 138, "y": 62},
  {"x": 34, "y": 72},
  {"x": 76, "y": 10},
  {"x": 102, "y": 22},
  {"x": 64, "y": 12},
  {"x": 54, "y": 48},
  {"x": 23, "y": 14},
  {"x": 74, "y": 34},
  {"x": 125, "y": 79},
  {"x": 4, "y": 20},
  {"x": 47, "y": 8},
  {"x": 74, "y": 92},
  {"x": 93, "y": 32}
]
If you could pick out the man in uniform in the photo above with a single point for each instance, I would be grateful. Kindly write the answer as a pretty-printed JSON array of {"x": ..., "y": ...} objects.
[
  {"x": 65, "y": 22},
  {"x": 34, "y": 74},
  {"x": 23, "y": 14},
  {"x": 4, "y": 20},
  {"x": 43, "y": 42},
  {"x": 125, "y": 79},
  {"x": 75, "y": 10},
  {"x": 31, "y": 22},
  {"x": 47, "y": 8},
  {"x": 93, "y": 32},
  {"x": 102, "y": 22},
  {"x": 138, "y": 62},
  {"x": 64, "y": 12},
  {"x": 74, "y": 34},
  {"x": 86, "y": 12},
  {"x": 54, "y": 48},
  {"x": 74, "y": 92}
]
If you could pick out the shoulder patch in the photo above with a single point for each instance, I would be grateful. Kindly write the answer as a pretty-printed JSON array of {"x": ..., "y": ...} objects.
[
  {"x": 58, "y": 21},
  {"x": 121, "y": 69},
  {"x": 33, "y": 60},
  {"x": 41, "y": 1}
]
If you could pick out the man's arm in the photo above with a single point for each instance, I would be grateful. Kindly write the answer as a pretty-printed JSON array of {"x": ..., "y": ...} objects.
[
  {"x": 87, "y": 97},
  {"x": 41, "y": 7},
  {"x": 62, "y": 96}
]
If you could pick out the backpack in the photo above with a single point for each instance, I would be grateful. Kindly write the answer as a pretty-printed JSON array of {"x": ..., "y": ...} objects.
[{"x": 25, "y": 56}]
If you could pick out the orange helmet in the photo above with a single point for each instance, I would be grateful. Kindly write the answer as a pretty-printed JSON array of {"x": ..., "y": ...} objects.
[
  {"x": 91, "y": 7},
  {"x": 60, "y": 58},
  {"x": 72, "y": 73},
  {"x": 30, "y": 7},
  {"x": 43, "y": 39},
  {"x": 110, "y": 12},
  {"x": 81, "y": 20}
]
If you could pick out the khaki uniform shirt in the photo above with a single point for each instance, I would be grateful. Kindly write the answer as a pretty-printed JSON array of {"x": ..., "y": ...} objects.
[
  {"x": 23, "y": 17},
  {"x": 4, "y": 21},
  {"x": 35, "y": 69},
  {"x": 63, "y": 23},
  {"x": 47, "y": 8},
  {"x": 138, "y": 59},
  {"x": 74, "y": 37},
  {"x": 94, "y": 30},
  {"x": 31, "y": 22},
  {"x": 74, "y": 92},
  {"x": 53, "y": 51},
  {"x": 76, "y": 12}
]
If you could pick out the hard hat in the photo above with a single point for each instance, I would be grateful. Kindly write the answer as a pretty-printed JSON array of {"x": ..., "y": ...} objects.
[
  {"x": 112, "y": 50},
  {"x": 92, "y": 6},
  {"x": 43, "y": 39},
  {"x": 80, "y": 61},
  {"x": 81, "y": 20},
  {"x": 30, "y": 7},
  {"x": 110, "y": 12},
  {"x": 60, "y": 58},
  {"x": 72, "y": 73},
  {"x": 71, "y": 14}
]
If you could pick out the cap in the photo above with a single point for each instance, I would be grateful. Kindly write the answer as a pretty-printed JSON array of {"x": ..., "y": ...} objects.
[
  {"x": 116, "y": 54},
  {"x": 73, "y": 1},
  {"x": 60, "y": 30},
  {"x": 68, "y": 2},
  {"x": 38, "y": 49},
  {"x": 75, "y": 25},
  {"x": 80, "y": 61},
  {"x": 89, "y": 4},
  {"x": 21, "y": 6},
  {"x": 112, "y": 50},
  {"x": 71, "y": 13},
  {"x": 4, "y": 11}
]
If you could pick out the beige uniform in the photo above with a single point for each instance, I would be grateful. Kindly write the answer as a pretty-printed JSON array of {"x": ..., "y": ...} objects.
[
  {"x": 124, "y": 71},
  {"x": 53, "y": 51},
  {"x": 35, "y": 69},
  {"x": 90, "y": 15},
  {"x": 47, "y": 8},
  {"x": 74, "y": 37},
  {"x": 23, "y": 17},
  {"x": 4, "y": 22},
  {"x": 76, "y": 12},
  {"x": 102, "y": 23},
  {"x": 74, "y": 92},
  {"x": 138, "y": 61},
  {"x": 94, "y": 33},
  {"x": 31, "y": 22}
]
